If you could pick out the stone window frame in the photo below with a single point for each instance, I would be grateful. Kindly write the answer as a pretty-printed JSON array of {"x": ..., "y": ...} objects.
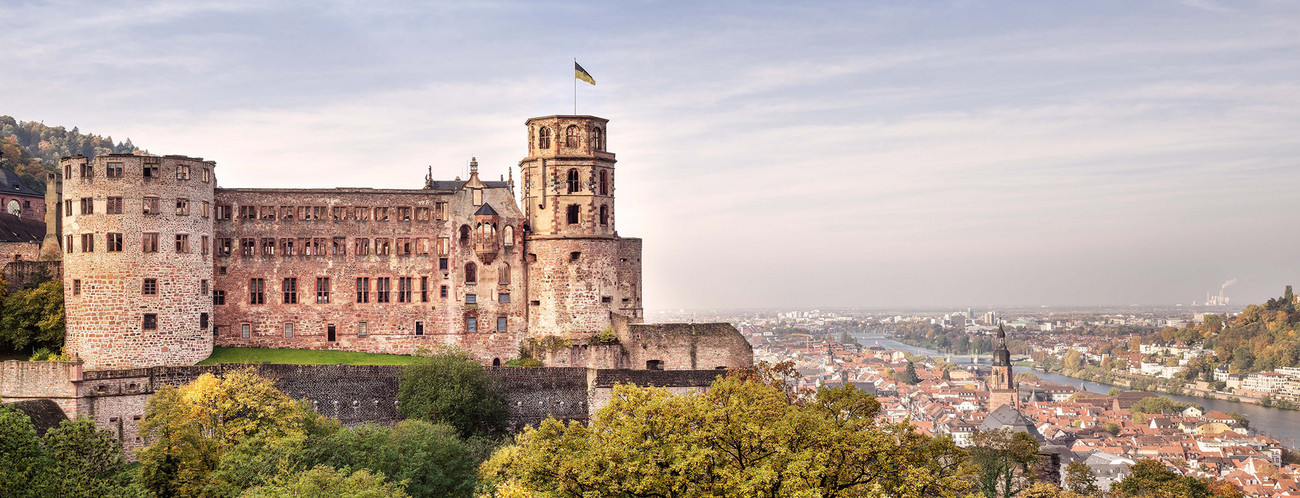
[
  {"x": 225, "y": 246},
  {"x": 218, "y": 297},
  {"x": 246, "y": 330},
  {"x": 289, "y": 288},
  {"x": 76, "y": 287},
  {"x": 203, "y": 245},
  {"x": 203, "y": 321},
  {"x": 444, "y": 264},
  {"x": 403, "y": 213},
  {"x": 150, "y": 205},
  {"x": 67, "y": 206},
  {"x": 113, "y": 205},
  {"x": 182, "y": 243},
  {"x": 404, "y": 289},
  {"x": 503, "y": 297},
  {"x": 424, "y": 289},
  {"x": 339, "y": 213},
  {"x": 503, "y": 274},
  {"x": 381, "y": 213},
  {"x": 363, "y": 290},
  {"x": 339, "y": 246},
  {"x": 87, "y": 242},
  {"x": 182, "y": 172},
  {"x": 383, "y": 246},
  {"x": 286, "y": 246},
  {"x": 256, "y": 291},
  {"x": 149, "y": 168},
  {"x": 247, "y": 247},
  {"x": 508, "y": 236},
  {"x": 571, "y": 138},
  {"x": 288, "y": 330},
  {"x": 88, "y": 170},
  {"x": 304, "y": 213},
  {"x": 573, "y": 182},
  {"x": 205, "y": 209},
  {"x": 318, "y": 212},
  {"x": 502, "y": 323},
  {"x": 182, "y": 206},
  {"x": 604, "y": 182},
  {"x": 361, "y": 246},
  {"x": 440, "y": 211},
  {"x": 286, "y": 213},
  {"x": 361, "y": 213},
  {"x": 471, "y": 273},
  {"x": 268, "y": 246},
  {"x": 422, "y": 213},
  {"x": 544, "y": 137},
  {"x": 471, "y": 299},
  {"x": 443, "y": 292},
  {"x": 573, "y": 214},
  {"x": 419, "y": 327},
  {"x": 268, "y": 213},
  {"x": 604, "y": 215},
  {"x": 597, "y": 138},
  {"x": 113, "y": 241},
  {"x": 114, "y": 170},
  {"x": 362, "y": 329},
  {"x": 203, "y": 287},
  {"x": 403, "y": 246},
  {"x": 471, "y": 324},
  {"x": 149, "y": 287},
  {"x": 87, "y": 205},
  {"x": 67, "y": 244},
  {"x": 149, "y": 321},
  {"x": 149, "y": 242},
  {"x": 322, "y": 290},
  {"x": 383, "y": 289},
  {"x": 207, "y": 175}
]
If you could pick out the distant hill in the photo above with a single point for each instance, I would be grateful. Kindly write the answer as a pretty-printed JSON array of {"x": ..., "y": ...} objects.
[{"x": 32, "y": 149}]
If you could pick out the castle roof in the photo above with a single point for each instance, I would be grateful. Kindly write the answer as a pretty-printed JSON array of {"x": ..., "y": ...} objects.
[
  {"x": 15, "y": 229},
  {"x": 485, "y": 210},
  {"x": 10, "y": 184}
]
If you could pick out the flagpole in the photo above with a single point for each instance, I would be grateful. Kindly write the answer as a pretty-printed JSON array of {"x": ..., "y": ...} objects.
[{"x": 575, "y": 88}]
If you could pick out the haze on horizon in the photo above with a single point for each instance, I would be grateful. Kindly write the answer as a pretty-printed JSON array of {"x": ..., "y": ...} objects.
[{"x": 770, "y": 154}]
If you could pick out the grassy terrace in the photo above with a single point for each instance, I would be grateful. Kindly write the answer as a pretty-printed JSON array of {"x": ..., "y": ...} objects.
[{"x": 303, "y": 357}]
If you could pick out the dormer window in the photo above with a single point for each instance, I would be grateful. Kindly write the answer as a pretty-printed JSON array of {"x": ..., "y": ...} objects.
[{"x": 571, "y": 136}]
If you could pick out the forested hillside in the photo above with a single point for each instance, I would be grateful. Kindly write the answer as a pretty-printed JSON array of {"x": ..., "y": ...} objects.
[
  {"x": 1259, "y": 339},
  {"x": 32, "y": 149}
]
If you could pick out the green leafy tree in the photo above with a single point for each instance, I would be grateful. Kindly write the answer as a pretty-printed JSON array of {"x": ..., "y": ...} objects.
[
  {"x": 1150, "y": 478},
  {"x": 908, "y": 376},
  {"x": 1079, "y": 479},
  {"x": 1072, "y": 360},
  {"x": 1005, "y": 460},
  {"x": 85, "y": 461},
  {"x": 22, "y": 460},
  {"x": 1112, "y": 427},
  {"x": 322, "y": 482},
  {"x": 453, "y": 389},
  {"x": 743, "y": 437},
  {"x": 432, "y": 460},
  {"x": 33, "y": 317}
]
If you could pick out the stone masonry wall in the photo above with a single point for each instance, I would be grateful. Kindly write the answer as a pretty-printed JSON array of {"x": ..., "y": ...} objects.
[
  {"x": 104, "y": 286},
  {"x": 572, "y": 286},
  {"x": 391, "y": 325}
]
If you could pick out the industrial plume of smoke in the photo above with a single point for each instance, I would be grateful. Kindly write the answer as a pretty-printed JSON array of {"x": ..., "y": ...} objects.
[{"x": 1227, "y": 284}]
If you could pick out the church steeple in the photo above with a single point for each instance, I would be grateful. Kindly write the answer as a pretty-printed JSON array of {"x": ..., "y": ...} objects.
[{"x": 1002, "y": 355}]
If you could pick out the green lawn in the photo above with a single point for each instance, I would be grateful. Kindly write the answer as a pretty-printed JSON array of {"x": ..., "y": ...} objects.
[{"x": 302, "y": 357}]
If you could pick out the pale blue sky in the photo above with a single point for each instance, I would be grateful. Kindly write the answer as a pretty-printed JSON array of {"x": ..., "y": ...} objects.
[{"x": 771, "y": 154}]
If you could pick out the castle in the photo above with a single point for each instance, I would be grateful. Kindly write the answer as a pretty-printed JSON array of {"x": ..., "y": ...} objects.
[{"x": 160, "y": 265}]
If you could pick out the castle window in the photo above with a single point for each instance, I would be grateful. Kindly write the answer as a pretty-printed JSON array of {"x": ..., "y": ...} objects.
[
  {"x": 339, "y": 246},
  {"x": 503, "y": 274},
  {"x": 67, "y": 207},
  {"x": 534, "y": 303},
  {"x": 207, "y": 175},
  {"x": 67, "y": 245},
  {"x": 571, "y": 136},
  {"x": 361, "y": 213},
  {"x": 508, "y": 236},
  {"x": 304, "y": 213},
  {"x": 383, "y": 247},
  {"x": 604, "y": 182},
  {"x": 597, "y": 139},
  {"x": 224, "y": 246},
  {"x": 87, "y": 170},
  {"x": 223, "y": 212},
  {"x": 471, "y": 273},
  {"x": 318, "y": 213},
  {"x": 182, "y": 172},
  {"x": 114, "y": 241},
  {"x": 419, "y": 327},
  {"x": 363, "y": 247},
  {"x": 203, "y": 244},
  {"x": 442, "y": 292},
  {"x": 383, "y": 289},
  {"x": 403, "y": 289},
  {"x": 381, "y": 214},
  {"x": 218, "y": 297},
  {"x": 114, "y": 170},
  {"x": 471, "y": 324},
  {"x": 150, "y": 205},
  {"x": 216, "y": 330},
  {"x": 322, "y": 290},
  {"x": 442, "y": 264},
  {"x": 476, "y": 196},
  {"x": 421, "y": 214},
  {"x": 403, "y": 246},
  {"x": 286, "y": 247},
  {"x": 203, "y": 321},
  {"x": 503, "y": 297},
  {"x": 496, "y": 362},
  {"x": 424, "y": 289},
  {"x": 340, "y": 213},
  {"x": 286, "y": 213},
  {"x": 464, "y": 234},
  {"x": 113, "y": 206},
  {"x": 268, "y": 247},
  {"x": 149, "y": 242},
  {"x": 76, "y": 287},
  {"x": 544, "y": 138},
  {"x": 87, "y": 205},
  {"x": 150, "y": 321},
  {"x": 362, "y": 330},
  {"x": 654, "y": 365},
  {"x": 363, "y": 289},
  {"x": 150, "y": 170},
  {"x": 87, "y": 242},
  {"x": 182, "y": 207},
  {"x": 266, "y": 213},
  {"x": 205, "y": 209},
  {"x": 444, "y": 246},
  {"x": 604, "y": 215},
  {"x": 574, "y": 183},
  {"x": 203, "y": 287},
  {"x": 288, "y": 330},
  {"x": 290, "y": 289},
  {"x": 471, "y": 298},
  {"x": 182, "y": 243},
  {"x": 256, "y": 291},
  {"x": 318, "y": 246},
  {"x": 501, "y": 324},
  {"x": 67, "y": 171},
  {"x": 573, "y": 256},
  {"x": 606, "y": 299},
  {"x": 403, "y": 214},
  {"x": 422, "y": 246},
  {"x": 440, "y": 210},
  {"x": 247, "y": 246},
  {"x": 573, "y": 214},
  {"x": 245, "y": 330}
]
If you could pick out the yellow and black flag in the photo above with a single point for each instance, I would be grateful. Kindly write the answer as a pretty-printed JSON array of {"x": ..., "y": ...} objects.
[{"x": 582, "y": 74}]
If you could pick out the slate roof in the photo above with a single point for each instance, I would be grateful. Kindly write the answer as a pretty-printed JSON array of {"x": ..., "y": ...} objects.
[
  {"x": 15, "y": 229},
  {"x": 456, "y": 184},
  {"x": 486, "y": 210},
  {"x": 10, "y": 184},
  {"x": 1007, "y": 417}
]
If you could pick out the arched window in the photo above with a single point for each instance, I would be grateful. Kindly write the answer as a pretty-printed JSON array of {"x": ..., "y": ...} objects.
[
  {"x": 464, "y": 234},
  {"x": 573, "y": 214},
  {"x": 544, "y": 138},
  {"x": 604, "y": 215},
  {"x": 571, "y": 136},
  {"x": 604, "y": 182},
  {"x": 471, "y": 273},
  {"x": 573, "y": 180},
  {"x": 508, "y": 236},
  {"x": 503, "y": 274},
  {"x": 597, "y": 140}
]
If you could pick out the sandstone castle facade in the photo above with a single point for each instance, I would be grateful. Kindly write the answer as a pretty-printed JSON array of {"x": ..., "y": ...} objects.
[{"x": 160, "y": 265}]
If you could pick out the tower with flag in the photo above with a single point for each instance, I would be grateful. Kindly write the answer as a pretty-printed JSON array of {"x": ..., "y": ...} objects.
[{"x": 579, "y": 74}]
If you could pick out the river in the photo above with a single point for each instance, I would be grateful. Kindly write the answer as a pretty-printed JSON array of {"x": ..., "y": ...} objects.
[{"x": 1283, "y": 425}]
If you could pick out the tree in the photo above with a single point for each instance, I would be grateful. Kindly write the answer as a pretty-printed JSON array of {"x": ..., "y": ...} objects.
[
  {"x": 1079, "y": 479},
  {"x": 33, "y": 317},
  {"x": 85, "y": 461},
  {"x": 1072, "y": 360},
  {"x": 1114, "y": 391},
  {"x": 322, "y": 481},
  {"x": 431, "y": 460},
  {"x": 1005, "y": 460},
  {"x": 453, "y": 389},
  {"x": 743, "y": 437},
  {"x": 195, "y": 424},
  {"x": 22, "y": 461},
  {"x": 909, "y": 375},
  {"x": 1112, "y": 427},
  {"x": 1150, "y": 478}
]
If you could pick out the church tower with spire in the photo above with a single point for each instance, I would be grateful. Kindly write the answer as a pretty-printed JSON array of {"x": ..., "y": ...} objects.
[{"x": 1002, "y": 382}]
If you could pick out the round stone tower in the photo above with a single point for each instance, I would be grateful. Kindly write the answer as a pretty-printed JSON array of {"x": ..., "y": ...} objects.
[
  {"x": 137, "y": 263},
  {"x": 580, "y": 272}
]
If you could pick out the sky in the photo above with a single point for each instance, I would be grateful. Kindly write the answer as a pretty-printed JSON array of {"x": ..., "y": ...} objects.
[{"x": 770, "y": 154}]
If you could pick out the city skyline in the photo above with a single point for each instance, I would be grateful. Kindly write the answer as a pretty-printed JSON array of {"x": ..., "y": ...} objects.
[{"x": 892, "y": 155}]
